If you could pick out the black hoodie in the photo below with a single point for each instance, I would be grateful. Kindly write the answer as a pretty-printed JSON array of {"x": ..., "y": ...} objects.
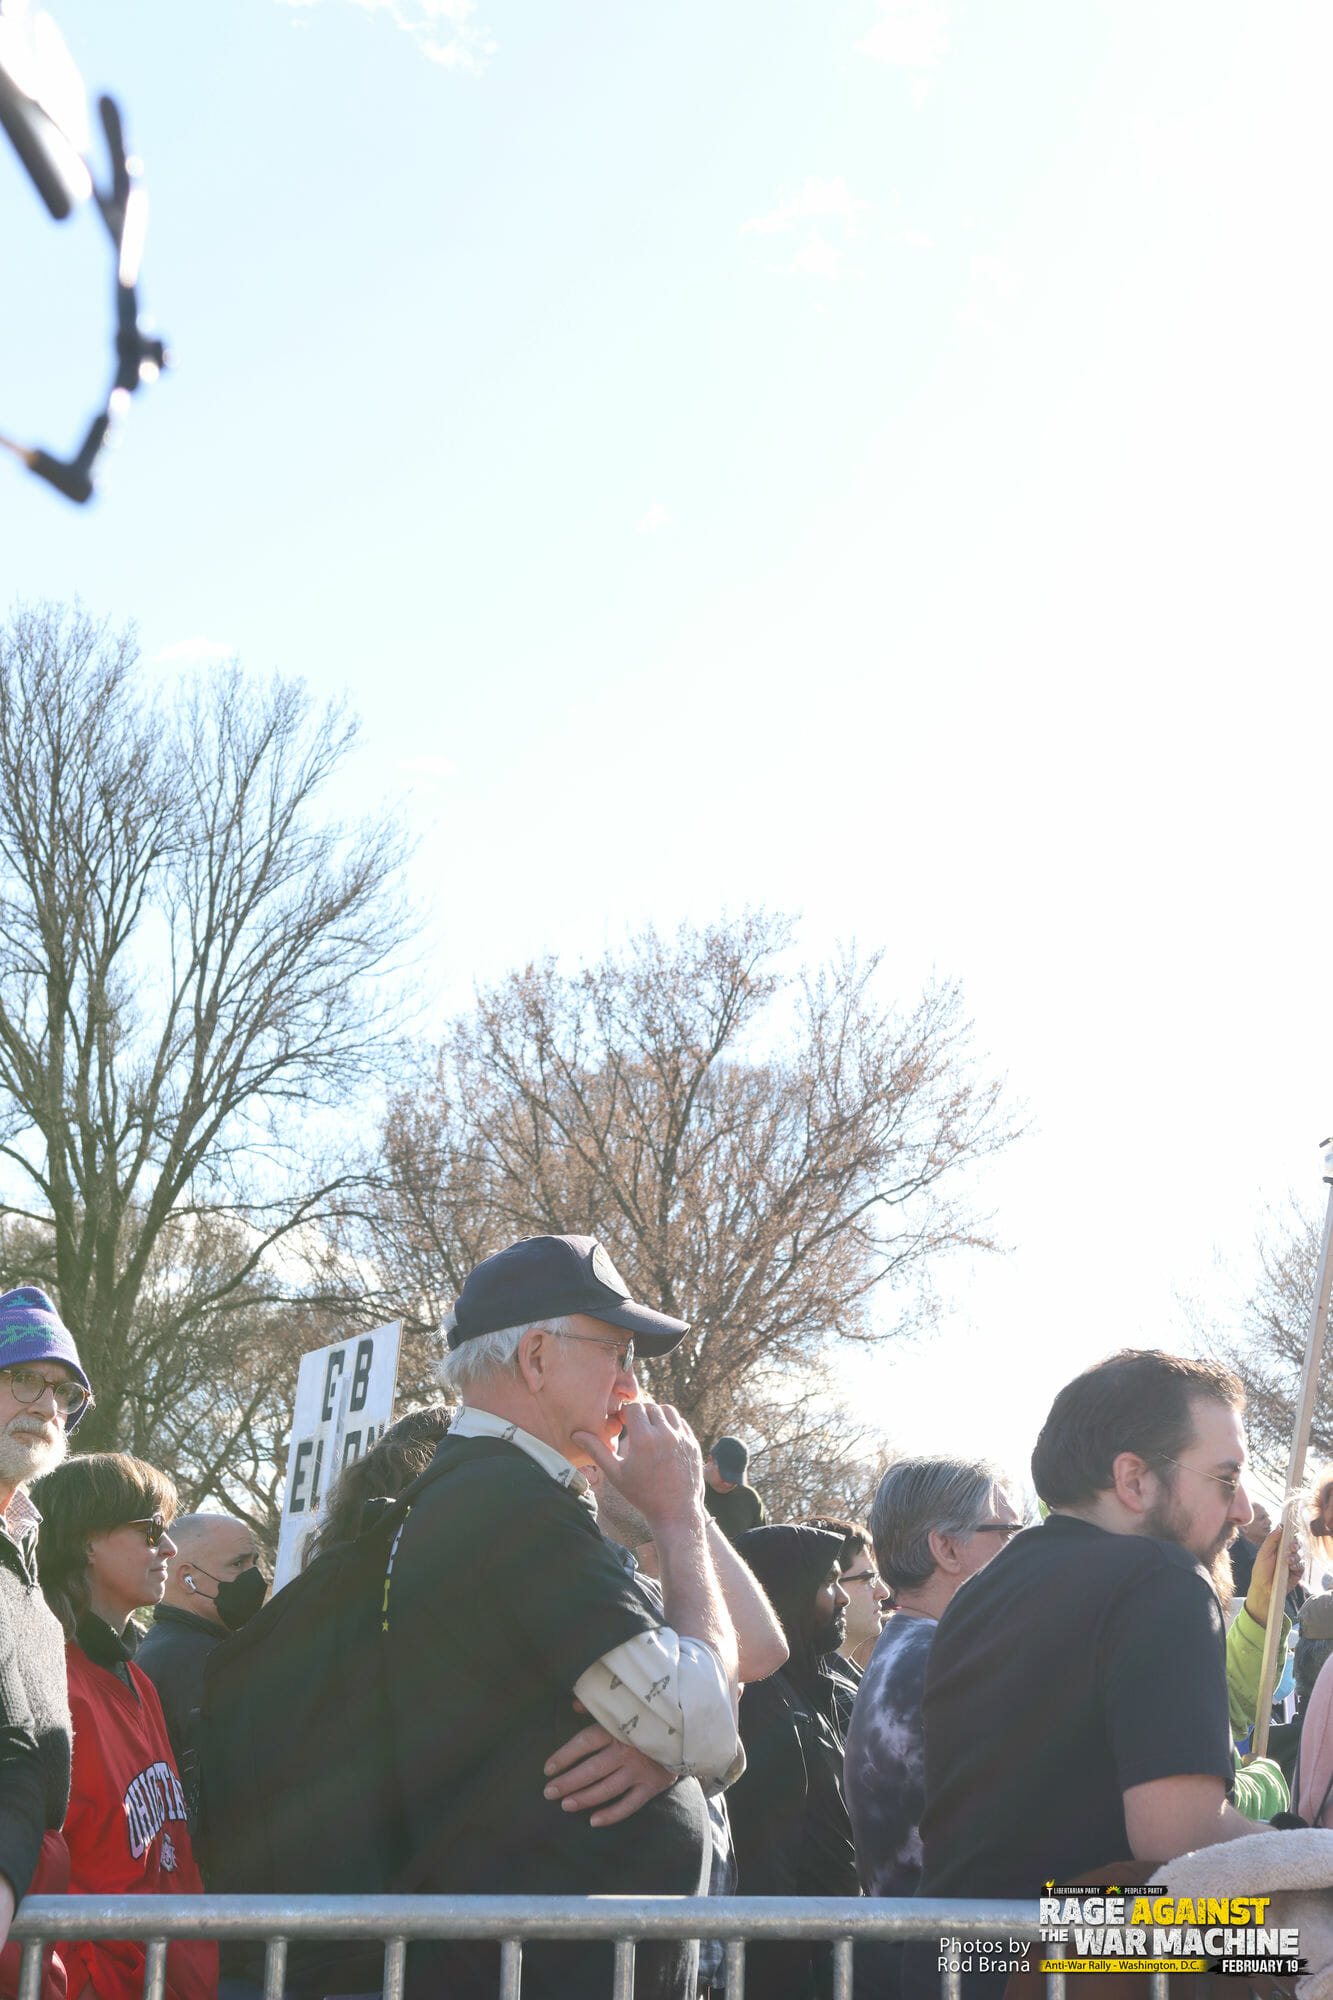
[{"x": 788, "y": 1814}]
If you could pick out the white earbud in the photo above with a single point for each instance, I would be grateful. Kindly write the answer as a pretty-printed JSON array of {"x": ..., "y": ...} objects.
[{"x": 190, "y": 1584}]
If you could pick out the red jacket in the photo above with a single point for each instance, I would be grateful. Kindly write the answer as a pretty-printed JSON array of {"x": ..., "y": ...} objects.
[{"x": 126, "y": 1829}]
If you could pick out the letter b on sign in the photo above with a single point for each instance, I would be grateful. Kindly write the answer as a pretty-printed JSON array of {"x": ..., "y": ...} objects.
[{"x": 365, "y": 1354}]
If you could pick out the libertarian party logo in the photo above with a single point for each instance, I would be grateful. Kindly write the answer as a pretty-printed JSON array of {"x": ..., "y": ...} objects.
[{"x": 1146, "y": 1930}]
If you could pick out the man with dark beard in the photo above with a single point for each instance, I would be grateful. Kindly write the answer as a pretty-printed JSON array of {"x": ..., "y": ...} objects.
[
  {"x": 788, "y": 1811},
  {"x": 1076, "y": 1698},
  {"x": 43, "y": 1393}
]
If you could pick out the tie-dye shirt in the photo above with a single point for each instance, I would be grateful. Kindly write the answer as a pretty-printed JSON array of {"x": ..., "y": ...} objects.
[{"x": 885, "y": 1764}]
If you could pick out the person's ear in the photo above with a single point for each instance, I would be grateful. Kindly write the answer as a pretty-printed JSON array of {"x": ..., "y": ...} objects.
[
  {"x": 1133, "y": 1481},
  {"x": 536, "y": 1351},
  {"x": 944, "y": 1548}
]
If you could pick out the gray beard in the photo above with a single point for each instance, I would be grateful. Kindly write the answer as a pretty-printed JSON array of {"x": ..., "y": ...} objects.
[{"x": 25, "y": 1455}]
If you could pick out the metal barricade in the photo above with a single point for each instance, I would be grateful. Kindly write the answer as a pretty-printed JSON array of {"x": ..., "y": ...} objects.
[{"x": 513, "y": 1921}]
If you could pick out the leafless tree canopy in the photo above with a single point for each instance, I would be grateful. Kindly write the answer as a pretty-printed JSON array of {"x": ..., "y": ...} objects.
[
  {"x": 809, "y": 1454},
  {"x": 188, "y": 951},
  {"x": 760, "y": 1155},
  {"x": 1267, "y": 1348}
]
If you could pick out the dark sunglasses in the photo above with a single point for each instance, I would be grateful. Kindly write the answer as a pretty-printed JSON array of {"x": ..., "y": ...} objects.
[{"x": 154, "y": 1527}]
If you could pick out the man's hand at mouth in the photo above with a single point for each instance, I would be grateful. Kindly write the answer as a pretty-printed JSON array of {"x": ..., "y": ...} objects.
[{"x": 658, "y": 1466}]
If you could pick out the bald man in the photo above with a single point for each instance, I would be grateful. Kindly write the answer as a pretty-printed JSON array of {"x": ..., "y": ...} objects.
[{"x": 214, "y": 1585}]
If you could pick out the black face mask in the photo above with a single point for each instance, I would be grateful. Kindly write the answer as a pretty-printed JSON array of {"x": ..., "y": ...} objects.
[{"x": 237, "y": 1598}]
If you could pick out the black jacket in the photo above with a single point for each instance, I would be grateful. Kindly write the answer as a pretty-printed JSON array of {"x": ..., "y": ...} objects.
[
  {"x": 34, "y": 1714},
  {"x": 172, "y": 1653},
  {"x": 789, "y": 1818}
]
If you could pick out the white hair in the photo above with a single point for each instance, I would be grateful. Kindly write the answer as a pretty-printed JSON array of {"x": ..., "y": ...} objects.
[{"x": 475, "y": 1361}]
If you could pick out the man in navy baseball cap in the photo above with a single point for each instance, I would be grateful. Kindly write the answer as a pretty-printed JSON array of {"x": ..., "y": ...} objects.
[
  {"x": 548, "y": 1277},
  {"x": 542, "y": 1343}
]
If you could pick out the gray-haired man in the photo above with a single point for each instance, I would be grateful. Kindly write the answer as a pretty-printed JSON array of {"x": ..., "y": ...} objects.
[
  {"x": 935, "y": 1522},
  {"x": 542, "y": 1345}
]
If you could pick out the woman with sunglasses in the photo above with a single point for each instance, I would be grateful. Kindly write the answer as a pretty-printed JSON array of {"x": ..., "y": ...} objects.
[{"x": 102, "y": 1553}]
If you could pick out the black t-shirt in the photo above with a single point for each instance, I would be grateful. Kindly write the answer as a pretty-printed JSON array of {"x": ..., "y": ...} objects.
[
  {"x": 1075, "y": 1665},
  {"x": 503, "y": 1592}
]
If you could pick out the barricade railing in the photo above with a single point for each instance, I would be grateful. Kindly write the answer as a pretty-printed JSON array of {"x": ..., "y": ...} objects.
[{"x": 513, "y": 1921}]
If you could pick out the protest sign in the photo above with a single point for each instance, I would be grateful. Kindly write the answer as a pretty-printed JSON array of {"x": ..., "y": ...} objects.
[{"x": 344, "y": 1401}]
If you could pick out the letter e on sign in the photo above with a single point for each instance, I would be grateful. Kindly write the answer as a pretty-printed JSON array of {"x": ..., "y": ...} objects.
[{"x": 303, "y": 1451}]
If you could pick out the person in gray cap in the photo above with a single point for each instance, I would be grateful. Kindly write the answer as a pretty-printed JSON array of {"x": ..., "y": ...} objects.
[
  {"x": 735, "y": 1506},
  {"x": 483, "y": 1683},
  {"x": 43, "y": 1393}
]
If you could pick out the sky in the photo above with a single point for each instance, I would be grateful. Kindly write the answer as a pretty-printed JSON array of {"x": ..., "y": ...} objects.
[{"x": 861, "y": 457}]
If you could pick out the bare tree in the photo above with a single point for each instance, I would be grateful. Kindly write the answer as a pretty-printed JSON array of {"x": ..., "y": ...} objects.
[
  {"x": 1266, "y": 1344},
  {"x": 809, "y": 1453},
  {"x": 760, "y": 1155},
  {"x": 188, "y": 956}
]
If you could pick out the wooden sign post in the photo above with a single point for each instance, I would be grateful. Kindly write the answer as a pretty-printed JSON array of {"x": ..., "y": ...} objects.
[{"x": 1300, "y": 1439}]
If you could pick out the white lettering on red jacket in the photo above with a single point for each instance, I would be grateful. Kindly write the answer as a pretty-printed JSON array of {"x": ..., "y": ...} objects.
[{"x": 151, "y": 1799}]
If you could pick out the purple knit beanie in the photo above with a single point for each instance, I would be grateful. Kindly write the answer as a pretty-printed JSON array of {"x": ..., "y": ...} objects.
[{"x": 32, "y": 1330}]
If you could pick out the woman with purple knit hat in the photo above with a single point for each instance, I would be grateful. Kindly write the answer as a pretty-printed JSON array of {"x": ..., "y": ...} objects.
[{"x": 43, "y": 1393}]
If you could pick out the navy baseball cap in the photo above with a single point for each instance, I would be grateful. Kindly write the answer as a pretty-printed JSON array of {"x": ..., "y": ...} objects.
[
  {"x": 546, "y": 1277},
  {"x": 731, "y": 1458}
]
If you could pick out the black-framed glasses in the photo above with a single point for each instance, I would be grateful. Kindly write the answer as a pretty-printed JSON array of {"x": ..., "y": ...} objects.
[
  {"x": 1005, "y": 1528},
  {"x": 41, "y": 104},
  {"x": 27, "y": 1386},
  {"x": 870, "y": 1576},
  {"x": 1228, "y": 1481},
  {"x": 154, "y": 1527},
  {"x": 624, "y": 1348}
]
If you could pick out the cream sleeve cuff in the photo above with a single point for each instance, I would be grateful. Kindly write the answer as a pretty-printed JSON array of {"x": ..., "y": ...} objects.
[{"x": 670, "y": 1698}]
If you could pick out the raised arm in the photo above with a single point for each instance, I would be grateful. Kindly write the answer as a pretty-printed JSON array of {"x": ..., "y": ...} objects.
[
  {"x": 760, "y": 1646},
  {"x": 659, "y": 1470}
]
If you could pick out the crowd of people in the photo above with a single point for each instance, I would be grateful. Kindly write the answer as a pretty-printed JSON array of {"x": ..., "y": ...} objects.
[{"x": 579, "y": 1659}]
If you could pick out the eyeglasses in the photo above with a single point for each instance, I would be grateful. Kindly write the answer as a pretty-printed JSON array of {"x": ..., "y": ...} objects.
[
  {"x": 1005, "y": 1528},
  {"x": 624, "y": 1348},
  {"x": 1228, "y": 1481},
  {"x": 29, "y": 1387},
  {"x": 154, "y": 1527},
  {"x": 869, "y": 1576}
]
